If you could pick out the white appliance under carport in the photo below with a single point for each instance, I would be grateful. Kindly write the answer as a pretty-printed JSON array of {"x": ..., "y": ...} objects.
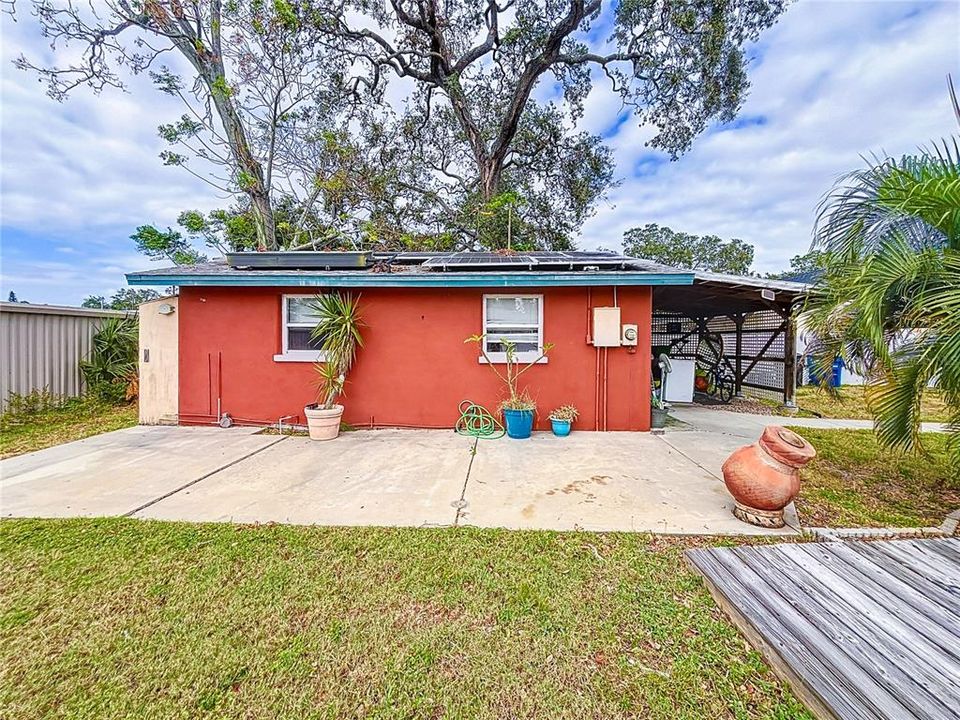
[{"x": 680, "y": 380}]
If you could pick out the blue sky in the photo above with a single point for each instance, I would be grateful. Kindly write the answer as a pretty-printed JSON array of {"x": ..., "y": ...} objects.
[{"x": 832, "y": 81}]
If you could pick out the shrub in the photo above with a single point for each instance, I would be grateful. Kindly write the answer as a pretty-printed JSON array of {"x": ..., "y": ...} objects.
[{"x": 111, "y": 370}]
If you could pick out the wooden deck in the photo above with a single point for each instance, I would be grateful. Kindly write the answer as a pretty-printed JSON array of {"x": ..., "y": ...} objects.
[{"x": 859, "y": 629}]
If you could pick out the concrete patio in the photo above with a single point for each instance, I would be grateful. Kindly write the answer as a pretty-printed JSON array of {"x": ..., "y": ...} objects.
[{"x": 666, "y": 483}]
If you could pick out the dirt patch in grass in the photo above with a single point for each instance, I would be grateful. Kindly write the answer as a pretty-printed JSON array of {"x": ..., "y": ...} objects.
[
  {"x": 75, "y": 419},
  {"x": 108, "y": 618},
  {"x": 753, "y": 406},
  {"x": 854, "y": 482}
]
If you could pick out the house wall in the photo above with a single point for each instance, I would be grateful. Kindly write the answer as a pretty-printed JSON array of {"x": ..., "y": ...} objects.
[
  {"x": 159, "y": 362},
  {"x": 414, "y": 368}
]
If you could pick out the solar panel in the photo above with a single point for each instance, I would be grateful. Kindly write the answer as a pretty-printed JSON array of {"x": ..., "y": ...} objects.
[
  {"x": 537, "y": 260},
  {"x": 480, "y": 259}
]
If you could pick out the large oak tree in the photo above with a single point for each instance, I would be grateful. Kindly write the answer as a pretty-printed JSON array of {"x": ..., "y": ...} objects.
[
  {"x": 499, "y": 86},
  {"x": 479, "y": 141}
]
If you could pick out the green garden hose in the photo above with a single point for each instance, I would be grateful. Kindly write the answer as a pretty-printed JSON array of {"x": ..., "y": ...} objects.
[{"x": 476, "y": 421}]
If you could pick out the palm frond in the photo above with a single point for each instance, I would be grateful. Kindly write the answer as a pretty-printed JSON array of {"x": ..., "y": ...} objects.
[
  {"x": 913, "y": 197},
  {"x": 889, "y": 297}
]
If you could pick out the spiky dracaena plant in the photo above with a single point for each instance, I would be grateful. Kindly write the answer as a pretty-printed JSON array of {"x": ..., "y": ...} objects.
[
  {"x": 338, "y": 336},
  {"x": 889, "y": 299}
]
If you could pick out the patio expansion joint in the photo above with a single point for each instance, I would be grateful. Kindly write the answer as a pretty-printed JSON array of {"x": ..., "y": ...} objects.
[
  {"x": 687, "y": 457},
  {"x": 203, "y": 477},
  {"x": 461, "y": 503}
]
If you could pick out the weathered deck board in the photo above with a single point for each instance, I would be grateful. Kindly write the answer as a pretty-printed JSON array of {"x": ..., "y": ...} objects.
[{"x": 858, "y": 629}]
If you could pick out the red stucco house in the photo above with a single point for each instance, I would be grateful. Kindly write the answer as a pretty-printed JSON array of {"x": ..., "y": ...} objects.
[{"x": 243, "y": 334}]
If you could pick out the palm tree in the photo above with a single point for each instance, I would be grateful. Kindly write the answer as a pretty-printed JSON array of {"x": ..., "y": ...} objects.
[{"x": 889, "y": 299}]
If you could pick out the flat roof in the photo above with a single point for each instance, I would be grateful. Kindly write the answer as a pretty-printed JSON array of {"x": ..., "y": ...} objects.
[
  {"x": 711, "y": 293},
  {"x": 386, "y": 274}
]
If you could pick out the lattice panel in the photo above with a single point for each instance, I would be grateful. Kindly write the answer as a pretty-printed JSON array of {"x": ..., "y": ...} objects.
[{"x": 679, "y": 331}]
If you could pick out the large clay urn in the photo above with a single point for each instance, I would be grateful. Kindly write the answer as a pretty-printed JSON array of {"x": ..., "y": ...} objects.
[{"x": 765, "y": 477}]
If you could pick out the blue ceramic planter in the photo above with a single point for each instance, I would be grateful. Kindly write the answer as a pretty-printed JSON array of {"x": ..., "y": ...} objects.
[
  {"x": 519, "y": 423},
  {"x": 561, "y": 428}
]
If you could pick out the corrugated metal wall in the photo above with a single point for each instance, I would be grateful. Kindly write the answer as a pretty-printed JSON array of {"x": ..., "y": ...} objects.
[{"x": 42, "y": 345}]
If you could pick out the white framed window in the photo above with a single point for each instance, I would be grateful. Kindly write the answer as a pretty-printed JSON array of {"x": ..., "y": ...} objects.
[
  {"x": 298, "y": 321},
  {"x": 517, "y": 319}
]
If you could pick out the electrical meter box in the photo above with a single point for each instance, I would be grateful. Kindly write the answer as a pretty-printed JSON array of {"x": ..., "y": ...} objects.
[
  {"x": 629, "y": 335},
  {"x": 606, "y": 327}
]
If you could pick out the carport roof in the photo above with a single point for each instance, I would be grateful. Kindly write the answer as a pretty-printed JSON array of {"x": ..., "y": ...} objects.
[{"x": 715, "y": 294}]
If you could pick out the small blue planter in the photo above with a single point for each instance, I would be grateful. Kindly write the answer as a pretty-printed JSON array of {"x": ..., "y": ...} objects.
[
  {"x": 519, "y": 423},
  {"x": 561, "y": 428}
]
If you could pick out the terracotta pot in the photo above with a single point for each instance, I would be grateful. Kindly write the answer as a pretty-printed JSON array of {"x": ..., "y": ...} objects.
[
  {"x": 765, "y": 477},
  {"x": 323, "y": 424}
]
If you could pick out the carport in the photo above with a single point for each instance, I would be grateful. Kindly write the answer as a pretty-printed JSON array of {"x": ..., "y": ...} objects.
[{"x": 754, "y": 317}]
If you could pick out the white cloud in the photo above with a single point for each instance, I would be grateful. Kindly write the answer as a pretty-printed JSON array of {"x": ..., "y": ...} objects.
[
  {"x": 91, "y": 161},
  {"x": 833, "y": 82}
]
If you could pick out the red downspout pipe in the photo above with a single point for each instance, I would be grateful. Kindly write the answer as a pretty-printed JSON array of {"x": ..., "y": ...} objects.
[
  {"x": 596, "y": 395},
  {"x": 606, "y": 385}
]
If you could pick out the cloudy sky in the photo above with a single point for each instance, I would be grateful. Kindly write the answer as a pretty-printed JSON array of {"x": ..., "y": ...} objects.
[{"x": 832, "y": 81}]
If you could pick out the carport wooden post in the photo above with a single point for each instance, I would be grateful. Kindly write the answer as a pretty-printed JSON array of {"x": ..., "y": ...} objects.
[
  {"x": 738, "y": 379},
  {"x": 790, "y": 360}
]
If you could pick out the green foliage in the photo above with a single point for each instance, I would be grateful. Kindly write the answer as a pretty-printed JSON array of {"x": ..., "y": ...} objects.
[
  {"x": 110, "y": 372},
  {"x": 808, "y": 264},
  {"x": 888, "y": 302},
  {"x": 693, "y": 252},
  {"x": 473, "y": 131},
  {"x": 338, "y": 334},
  {"x": 288, "y": 97},
  {"x": 234, "y": 229},
  {"x": 185, "y": 128},
  {"x": 169, "y": 245},
  {"x": 21, "y": 406},
  {"x": 123, "y": 299},
  {"x": 857, "y": 482}
]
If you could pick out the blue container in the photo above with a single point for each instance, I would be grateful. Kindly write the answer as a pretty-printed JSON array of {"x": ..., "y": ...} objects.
[
  {"x": 836, "y": 374},
  {"x": 519, "y": 423},
  {"x": 561, "y": 428}
]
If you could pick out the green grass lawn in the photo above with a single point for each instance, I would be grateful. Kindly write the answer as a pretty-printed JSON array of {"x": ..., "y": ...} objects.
[
  {"x": 123, "y": 618},
  {"x": 24, "y": 432},
  {"x": 853, "y": 482},
  {"x": 851, "y": 405}
]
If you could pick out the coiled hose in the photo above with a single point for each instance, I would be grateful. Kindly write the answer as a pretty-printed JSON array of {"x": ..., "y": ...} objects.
[{"x": 476, "y": 421}]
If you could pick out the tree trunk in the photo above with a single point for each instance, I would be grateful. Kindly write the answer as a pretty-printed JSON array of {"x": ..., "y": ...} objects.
[
  {"x": 491, "y": 172},
  {"x": 250, "y": 171},
  {"x": 208, "y": 63}
]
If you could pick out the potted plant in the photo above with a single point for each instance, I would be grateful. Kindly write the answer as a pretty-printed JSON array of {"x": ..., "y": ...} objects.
[
  {"x": 518, "y": 408},
  {"x": 658, "y": 412},
  {"x": 562, "y": 418},
  {"x": 518, "y": 412},
  {"x": 337, "y": 335}
]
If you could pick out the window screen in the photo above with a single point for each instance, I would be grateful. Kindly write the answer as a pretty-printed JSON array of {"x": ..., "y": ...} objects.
[
  {"x": 299, "y": 321},
  {"x": 516, "y": 319}
]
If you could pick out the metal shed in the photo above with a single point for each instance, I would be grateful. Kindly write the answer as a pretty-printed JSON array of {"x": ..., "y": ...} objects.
[{"x": 42, "y": 345}]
